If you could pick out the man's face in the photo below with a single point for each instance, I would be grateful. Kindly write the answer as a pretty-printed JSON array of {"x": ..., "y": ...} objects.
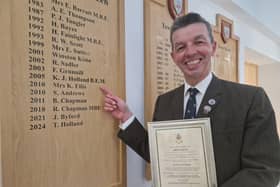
[{"x": 192, "y": 51}]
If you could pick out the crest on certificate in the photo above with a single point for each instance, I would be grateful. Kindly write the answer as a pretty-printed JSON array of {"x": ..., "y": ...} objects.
[
  {"x": 179, "y": 139},
  {"x": 176, "y": 8}
]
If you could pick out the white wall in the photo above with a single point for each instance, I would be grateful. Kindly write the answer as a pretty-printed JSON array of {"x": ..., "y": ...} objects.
[
  {"x": 134, "y": 53},
  {"x": 258, "y": 9},
  {"x": 134, "y": 36}
]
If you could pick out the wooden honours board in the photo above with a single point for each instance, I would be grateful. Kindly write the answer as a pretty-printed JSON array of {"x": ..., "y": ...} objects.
[
  {"x": 161, "y": 73},
  {"x": 55, "y": 54},
  {"x": 225, "y": 62}
]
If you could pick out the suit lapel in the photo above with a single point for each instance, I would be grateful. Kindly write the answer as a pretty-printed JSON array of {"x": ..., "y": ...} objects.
[
  {"x": 208, "y": 105},
  {"x": 177, "y": 106},
  {"x": 211, "y": 98}
]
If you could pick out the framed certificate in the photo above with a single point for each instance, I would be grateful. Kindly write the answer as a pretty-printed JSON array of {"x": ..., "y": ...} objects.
[{"x": 182, "y": 153}]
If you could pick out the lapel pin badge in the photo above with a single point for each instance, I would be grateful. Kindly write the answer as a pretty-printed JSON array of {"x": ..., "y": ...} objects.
[
  {"x": 212, "y": 102},
  {"x": 206, "y": 109}
]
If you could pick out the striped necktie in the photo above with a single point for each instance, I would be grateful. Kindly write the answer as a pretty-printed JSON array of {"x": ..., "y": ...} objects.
[{"x": 191, "y": 104}]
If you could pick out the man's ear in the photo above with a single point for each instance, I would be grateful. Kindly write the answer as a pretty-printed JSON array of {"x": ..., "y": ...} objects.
[
  {"x": 214, "y": 46},
  {"x": 172, "y": 55}
]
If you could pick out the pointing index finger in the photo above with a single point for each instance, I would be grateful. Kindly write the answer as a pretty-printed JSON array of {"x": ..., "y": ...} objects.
[{"x": 105, "y": 90}]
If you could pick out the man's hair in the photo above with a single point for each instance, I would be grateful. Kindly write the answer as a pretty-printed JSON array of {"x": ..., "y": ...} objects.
[{"x": 188, "y": 19}]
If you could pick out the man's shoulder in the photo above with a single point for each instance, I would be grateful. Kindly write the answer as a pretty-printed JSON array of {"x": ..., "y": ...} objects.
[
  {"x": 175, "y": 91},
  {"x": 240, "y": 87}
]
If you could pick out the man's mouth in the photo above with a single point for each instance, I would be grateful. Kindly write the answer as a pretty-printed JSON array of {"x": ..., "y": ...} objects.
[{"x": 192, "y": 62}]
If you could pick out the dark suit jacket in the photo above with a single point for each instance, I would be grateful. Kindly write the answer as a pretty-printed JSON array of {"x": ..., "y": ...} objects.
[{"x": 245, "y": 140}]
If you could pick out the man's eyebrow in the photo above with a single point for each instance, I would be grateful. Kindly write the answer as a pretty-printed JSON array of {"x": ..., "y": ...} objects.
[
  {"x": 199, "y": 37},
  {"x": 178, "y": 43}
]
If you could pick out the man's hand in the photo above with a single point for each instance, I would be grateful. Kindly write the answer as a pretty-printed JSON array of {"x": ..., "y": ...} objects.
[{"x": 115, "y": 105}]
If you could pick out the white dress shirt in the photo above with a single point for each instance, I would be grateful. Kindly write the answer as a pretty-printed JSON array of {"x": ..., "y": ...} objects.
[{"x": 201, "y": 87}]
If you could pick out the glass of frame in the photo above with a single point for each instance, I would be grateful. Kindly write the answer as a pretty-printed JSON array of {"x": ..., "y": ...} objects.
[{"x": 181, "y": 153}]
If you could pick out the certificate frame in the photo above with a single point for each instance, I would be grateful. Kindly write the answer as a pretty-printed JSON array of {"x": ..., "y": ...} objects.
[{"x": 181, "y": 153}]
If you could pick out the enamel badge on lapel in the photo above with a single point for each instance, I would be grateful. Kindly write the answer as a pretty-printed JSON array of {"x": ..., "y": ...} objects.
[
  {"x": 212, "y": 102},
  {"x": 206, "y": 109}
]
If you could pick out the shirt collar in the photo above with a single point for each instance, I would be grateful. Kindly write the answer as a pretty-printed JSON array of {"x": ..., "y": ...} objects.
[{"x": 201, "y": 86}]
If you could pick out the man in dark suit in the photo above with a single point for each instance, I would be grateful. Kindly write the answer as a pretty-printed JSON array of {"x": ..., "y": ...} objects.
[{"x": 245, "y": 140}]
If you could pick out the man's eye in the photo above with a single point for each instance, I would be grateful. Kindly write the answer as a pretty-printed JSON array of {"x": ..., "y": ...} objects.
[
  {"x": 178, "y": 49},
  {"x": 199, "y": 42}
]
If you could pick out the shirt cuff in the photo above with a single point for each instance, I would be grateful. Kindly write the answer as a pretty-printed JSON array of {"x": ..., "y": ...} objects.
[{"x": 124, "y": 125}]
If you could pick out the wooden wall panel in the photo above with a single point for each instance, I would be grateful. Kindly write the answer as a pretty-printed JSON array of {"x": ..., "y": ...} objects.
[
  {"x": 226, "y": 59},
  {"x": 161, "y": 73},
  {"x": 251, "y": 74},
  {"x": 56, "y": 55}
]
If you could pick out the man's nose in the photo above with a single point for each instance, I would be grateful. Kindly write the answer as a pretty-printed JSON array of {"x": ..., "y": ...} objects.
[{"x": 189, "y": 51}]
